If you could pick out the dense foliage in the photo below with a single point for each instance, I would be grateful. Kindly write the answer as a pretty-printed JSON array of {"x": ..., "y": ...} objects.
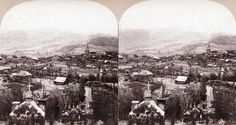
[{"x": 105, "y": 105}]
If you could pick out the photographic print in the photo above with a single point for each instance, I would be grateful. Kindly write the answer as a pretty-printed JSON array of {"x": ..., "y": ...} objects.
[
  {"x": 177, "y": 63},
  {"x": 58, "y": 64}
]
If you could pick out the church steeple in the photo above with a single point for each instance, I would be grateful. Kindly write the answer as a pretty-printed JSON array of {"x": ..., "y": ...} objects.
[
  {"x": 208, "y": 50},
  {"x": 87, "y": 49},
  {"x": 29, "y": 94}
]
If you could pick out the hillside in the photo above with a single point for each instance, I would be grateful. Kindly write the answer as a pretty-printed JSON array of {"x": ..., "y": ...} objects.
[
  {"x": 46, "y": 43},
  {"x": 170, "y": 41},
  {"x": 221, "y": 42}
]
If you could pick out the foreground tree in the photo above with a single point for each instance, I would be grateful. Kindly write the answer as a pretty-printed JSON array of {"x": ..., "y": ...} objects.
[{"x": 174, "y": 108}]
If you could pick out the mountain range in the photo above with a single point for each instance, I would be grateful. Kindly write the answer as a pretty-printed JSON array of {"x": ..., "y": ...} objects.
[
  {"x": 47, "y": 43},
  {"x": 166, "y": 42}
]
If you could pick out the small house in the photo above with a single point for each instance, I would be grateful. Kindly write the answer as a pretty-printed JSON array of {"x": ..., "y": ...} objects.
[
  {"x": 181, "y": 80},
  {"x": 60, "y": 81},
  {"x": 4, "y": 69},
  {"x": 22, "y": 76},
  {"x": 143, "y": 75}
]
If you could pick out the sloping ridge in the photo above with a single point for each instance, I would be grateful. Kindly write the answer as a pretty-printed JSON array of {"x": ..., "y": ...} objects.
[{"x": 42, "y": 43}]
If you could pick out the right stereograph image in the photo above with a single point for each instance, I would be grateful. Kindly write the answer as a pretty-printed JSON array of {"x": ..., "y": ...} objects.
[{"x": 177, "y": 63}]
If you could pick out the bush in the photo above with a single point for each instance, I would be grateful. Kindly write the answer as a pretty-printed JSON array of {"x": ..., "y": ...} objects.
[{"x": 126, "y": 96}]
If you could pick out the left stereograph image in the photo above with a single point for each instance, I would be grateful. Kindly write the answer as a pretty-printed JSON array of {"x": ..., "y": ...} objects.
[{"x": 58, "y": 64}]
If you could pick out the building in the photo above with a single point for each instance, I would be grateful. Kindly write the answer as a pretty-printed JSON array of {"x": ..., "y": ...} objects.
[
  {"x": 143, "y": 75},
  {"x": 22, "y": 77},
  {"x": 61, "y": 81},
  {"x": 120, "y": 57},
  {"x": 27, "y": 110},
  {"x": 87, "y": 51},
  {"x": 182, "y": 80},
  {"x": 149, "y": 106},
  {"x": 4, "y": 69},
  {"x": 208, "y": 49}
]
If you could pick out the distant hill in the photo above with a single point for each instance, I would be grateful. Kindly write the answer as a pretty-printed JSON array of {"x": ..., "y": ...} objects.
[
  {"x": 216, "y": 43},
  {"x": 224, "y": 40},
  {"x": 46, "y": 43},
  {"x": 100, "y": 40},
  {"x": 166, "y": 42}
]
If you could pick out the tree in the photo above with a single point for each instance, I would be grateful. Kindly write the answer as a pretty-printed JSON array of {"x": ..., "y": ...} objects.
[
  {"x": 5, "y": 102},
  {"x": 52, "y": 108},
  {"x": 193, "y": 94},
  {"x": 203, "y": 90},
  {"x": 174, "y": 107},
  {"x": 105, "y": 105},
  {"x": 7, "y": 96},
  {"x": 126, "y": 96}
]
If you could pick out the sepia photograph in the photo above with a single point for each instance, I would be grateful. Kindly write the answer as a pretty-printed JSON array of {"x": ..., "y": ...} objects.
[
  {"x": 59, "y": 64},
  {"x": 117, "y": 62},
  {"x": 177, "y": 64}
]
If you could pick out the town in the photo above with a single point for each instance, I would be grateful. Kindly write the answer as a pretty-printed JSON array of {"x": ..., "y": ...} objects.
[
  {"x": 59, "y": 89},
  {"x": 189, "y": 88}
]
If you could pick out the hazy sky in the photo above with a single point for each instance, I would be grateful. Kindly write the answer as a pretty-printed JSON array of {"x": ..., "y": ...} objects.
[
  {"x": 84, "y": 17},
  {"x": 187, "y": 15},
  {"x": 219, "y": 20},
  {"x": 117, "y": 6},
  {"x": 170, "y": 25}
]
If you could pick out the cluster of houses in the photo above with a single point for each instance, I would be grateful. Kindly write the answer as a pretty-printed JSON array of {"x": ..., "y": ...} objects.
[
  {"x": 17, "y": 68},
  {"x": 178, "y": 66},
  {"x": 216, "y": 68},
  {"x": 61, "y": 70}
]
